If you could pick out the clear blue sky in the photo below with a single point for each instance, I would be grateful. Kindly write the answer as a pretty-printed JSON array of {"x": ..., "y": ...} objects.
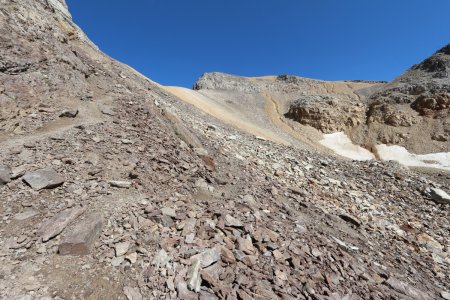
[{"x": 174, "y": 41}]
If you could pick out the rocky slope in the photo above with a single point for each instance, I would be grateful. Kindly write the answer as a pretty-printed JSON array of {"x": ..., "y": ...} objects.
[
  {"x": 326, "y": 106},
  {"x": 415, "y": 107},
  {"x": 411, "y": 111},
  {"x": 112, "y": 188}
]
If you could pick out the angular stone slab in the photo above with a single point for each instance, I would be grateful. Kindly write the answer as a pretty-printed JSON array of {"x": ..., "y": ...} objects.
[
  {"x": 439, "y": 196},
  {"x": 25, "y": 215},
  {"x": 81, "y": 239},
  {"x": 69, "y": 113},
  {"x": 58, "y": 222},
  {"x": 5, "y": 175},
  {"x": 120, "y": 184},
  {"x": 43, "y": 179}
]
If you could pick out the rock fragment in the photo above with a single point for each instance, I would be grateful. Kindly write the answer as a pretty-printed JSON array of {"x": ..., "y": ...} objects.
[
  {"x": 43, "y": 179},
  {"x": 57, "y": 223},
  {"x": 161, "y": 259},
  {"x": 208, "y": 257},
  {"x": 107, "y": 110},
  {"x": 26, "y": 215},
  {"x": 121, "y": 248},
  {"x": 246, "y": 246},
  {"x": 445, "y": 295},
  {"x": 81, "y": 239},
  {"x": 232, "y": 222},
  {"x": 193, "y": 276},
  {"x": 132, "y": 293},
  {"x": 132, "y": 257},
  {"x": 120, "y": 184},
  {"x": 5, "y": 174},
  {"x": 406, "y": 289},
  {"x": 168, "y": 211},
  {"x": 350, "y": 219},
  {"x": 227, "y": 255},
  {"x": 117, "y": 261},
  {"x": 439, "y": 196},
  {"x": 69, "y": 113}
]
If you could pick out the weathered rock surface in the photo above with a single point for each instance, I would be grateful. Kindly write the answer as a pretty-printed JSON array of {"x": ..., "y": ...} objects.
[
  {"x": 82, "y": 237},
  {"x": 327, "y": 113},
  {"x": 57, "y": 223},
  {"x": 43, "y": 179},
  {"x": 416, "y": 104},
  {"x": 5, "y": 174},
  {"x": 439, "y": 196}
]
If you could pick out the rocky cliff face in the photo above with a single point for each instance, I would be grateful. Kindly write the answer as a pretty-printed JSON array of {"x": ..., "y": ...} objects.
[
  {"x": 416, "y": 104},
  {"x": 327, "y": 113}
]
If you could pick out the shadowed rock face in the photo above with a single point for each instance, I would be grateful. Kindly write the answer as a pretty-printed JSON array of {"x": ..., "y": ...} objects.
[
  {"x": 419, "y": 102},
  {"x": 327, "y": 113}
]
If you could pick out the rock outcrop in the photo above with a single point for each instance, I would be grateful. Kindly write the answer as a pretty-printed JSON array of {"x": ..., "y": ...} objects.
[
  {"x": 416, "y": 104},
  {"x": 327, "y": 113}
]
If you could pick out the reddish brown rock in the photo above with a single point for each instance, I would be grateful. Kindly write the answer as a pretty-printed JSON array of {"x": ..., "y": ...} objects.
[{"x": 81, "y": 239}]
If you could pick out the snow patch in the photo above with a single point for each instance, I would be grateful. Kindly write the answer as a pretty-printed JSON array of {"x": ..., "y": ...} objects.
[
  {"x": 401, "y": 154},
  {"x": 342, "y": 145}
]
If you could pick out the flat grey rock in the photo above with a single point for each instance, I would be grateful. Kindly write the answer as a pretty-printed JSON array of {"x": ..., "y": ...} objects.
[
  {"x": 232, "y": 222},
  {"x": 43, "y": 179},
  {"x": 26, "y": 215},
  {"x": 58, "y": 222},
  {"x": 121, "y": 248},
  {"x": 5, "y": 174},
  {"x": 132, "y": 293},
  {"x": 116, "y": 261},
  {"x": 120, "y": 184},
  {"x": 439, "y": 196},
  {"x": 208, "y": 257},
  {"x": 168, "y": 211}
]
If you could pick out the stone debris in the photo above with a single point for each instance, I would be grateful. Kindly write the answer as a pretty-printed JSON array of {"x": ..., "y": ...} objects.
[
  {"x": 439, "y": 196},
  {"x": 107, "y": 110},
  {"x": 232, "y": 222},
  {"x": 445, "y": 295},
  {"x": 82, "y": 237},
  {"x": 57, "y": 223},
  {"x": 26, "y": 215},
  {"x": 132, "y": 257},
  {"x": 132, "y": 293},
  {"x": 406, "y": 289},
  {"x": 167, "y": 211},
  {"x": 43, "y": 179},
  {"x": 5, "y": 174},
  {"x": 122, "y": 248},
  {"x": 69, "y": 113},
  {"x": 193, "y": 276},
  {"x": 117, "y": 261},
  {"x": 208, "y": 257},
  {"x": 120, "y": 184},
  {"x": 161, "y": 259}
]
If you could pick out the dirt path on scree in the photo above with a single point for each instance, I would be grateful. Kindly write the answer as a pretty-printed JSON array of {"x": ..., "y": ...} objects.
[{"x": 224, "y": 113}]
